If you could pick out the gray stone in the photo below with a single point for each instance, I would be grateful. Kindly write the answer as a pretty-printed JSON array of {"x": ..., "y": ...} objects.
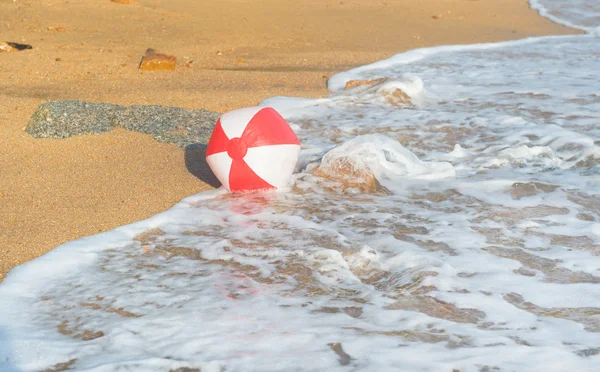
[
  {"x": 62, "y": 119},
  {"x": 180, "y": 126},
  {"x": 176, "y": 125}
]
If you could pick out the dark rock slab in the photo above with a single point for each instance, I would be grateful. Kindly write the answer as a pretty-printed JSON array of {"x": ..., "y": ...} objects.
[
  {"x": 176, "y": 125},
  {"x": 180, "y": 126},
  {"x": 63, "y": 119}
]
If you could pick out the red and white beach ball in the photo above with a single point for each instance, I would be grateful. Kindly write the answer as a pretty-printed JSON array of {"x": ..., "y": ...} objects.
[{"x": 252, "y": 148}]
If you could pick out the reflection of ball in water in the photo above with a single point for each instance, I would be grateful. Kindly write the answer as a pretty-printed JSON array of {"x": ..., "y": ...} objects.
[
  {"x": 251, "y": 203},
  {"x": 253, "y": 148}
]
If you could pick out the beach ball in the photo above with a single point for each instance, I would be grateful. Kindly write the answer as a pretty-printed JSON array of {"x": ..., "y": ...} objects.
[{"x": 252, "y": 148}]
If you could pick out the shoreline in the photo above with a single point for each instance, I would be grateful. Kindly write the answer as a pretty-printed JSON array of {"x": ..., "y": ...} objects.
[{"x": 55, "y": 191}]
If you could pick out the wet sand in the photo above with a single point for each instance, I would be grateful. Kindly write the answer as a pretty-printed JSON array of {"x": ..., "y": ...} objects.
[{"x": 231, "y": 54}]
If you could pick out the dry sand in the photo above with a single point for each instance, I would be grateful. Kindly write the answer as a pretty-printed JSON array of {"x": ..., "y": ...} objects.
[{"x": 238, "y": 52}]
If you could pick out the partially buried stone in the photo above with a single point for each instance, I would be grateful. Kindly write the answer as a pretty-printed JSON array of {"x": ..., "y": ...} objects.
[
  {"x": 180, "y": 126},
  {"x": 153, "y": 61},
  {"x": 4, "y": 47},
  {"x": 7, "y": 46},
  {"x": 62, "y": 119},
  {"x": 122, "y": 1}
]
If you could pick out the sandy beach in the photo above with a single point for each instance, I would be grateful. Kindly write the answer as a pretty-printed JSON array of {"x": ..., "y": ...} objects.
[{"x": 230, "y": 54}]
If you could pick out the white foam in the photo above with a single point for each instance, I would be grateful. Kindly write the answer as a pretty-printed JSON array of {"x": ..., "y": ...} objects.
[
  {"x": 386, "y": 159},
  {"x": 581, "y": 14}
]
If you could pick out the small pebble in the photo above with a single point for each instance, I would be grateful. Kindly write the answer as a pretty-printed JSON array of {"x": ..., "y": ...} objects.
[{"x": 153, "y": 61}]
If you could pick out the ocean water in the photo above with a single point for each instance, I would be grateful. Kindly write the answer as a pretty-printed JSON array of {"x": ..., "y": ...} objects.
[{"x": 479, "y": 249}]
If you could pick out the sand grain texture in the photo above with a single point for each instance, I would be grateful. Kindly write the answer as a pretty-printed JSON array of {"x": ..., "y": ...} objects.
[{"x": 233, "y": 53}]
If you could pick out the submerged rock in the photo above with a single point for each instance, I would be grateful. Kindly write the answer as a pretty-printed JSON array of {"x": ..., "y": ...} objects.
[
  {"x": 180, "y": 126},
  {"x": 407, "y": 90},
  {"x": 356, "y": 83},
  {"x": 397, "y": 97},
  {"x": 369, "y": 162},
  {"x": 346, "y": 171}
]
